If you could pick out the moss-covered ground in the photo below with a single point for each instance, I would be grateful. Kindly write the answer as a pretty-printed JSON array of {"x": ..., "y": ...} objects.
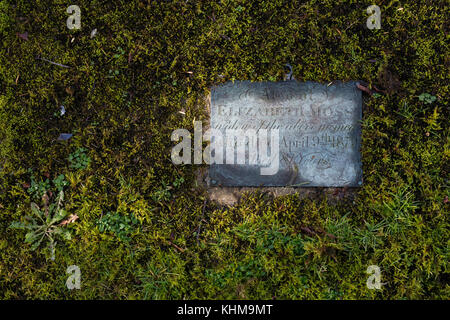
[{"x": 141, "y": 228}]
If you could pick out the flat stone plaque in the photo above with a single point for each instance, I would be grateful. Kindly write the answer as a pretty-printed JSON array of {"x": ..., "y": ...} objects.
[{"x": 319, "y": 134}]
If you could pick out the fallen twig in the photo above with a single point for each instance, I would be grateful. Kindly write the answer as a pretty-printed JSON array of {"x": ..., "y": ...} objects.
[
  {"x": 176, "y": 247},
  {"x": 55, "y": 63},
  {"x": 376, "y": 89},
  {"x": 365, "y": 89}
]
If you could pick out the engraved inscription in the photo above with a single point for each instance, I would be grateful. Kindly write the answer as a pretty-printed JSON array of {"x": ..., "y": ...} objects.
[{"x": 319, "y": 129}]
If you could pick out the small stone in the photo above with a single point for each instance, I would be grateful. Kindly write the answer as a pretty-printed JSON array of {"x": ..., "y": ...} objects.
[{"x": 65, "y": 136}]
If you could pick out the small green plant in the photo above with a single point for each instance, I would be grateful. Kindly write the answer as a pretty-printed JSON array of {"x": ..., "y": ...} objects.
[
  {"x": 332, "y": 294},
  {"x": 60, "y": 182},
  {"x": 178, "y": 182},
  {"x": 120, "y": 53},
  {"x": 376, "y": 95},
  {"x": 163, "y": 193},
  {"x": 427, "y": 98},
  {"x": 407, "y": 111},
  {"x": 154, "y": 283},
  {"x": 79, "y": 160},
  {"x": 44, "y": 223},
  {"x": 112, "y": 73},
  {"x": 121, "y": 225},
  {"x": 37, "y": 188},
  {"x": 399, "y": 211}
]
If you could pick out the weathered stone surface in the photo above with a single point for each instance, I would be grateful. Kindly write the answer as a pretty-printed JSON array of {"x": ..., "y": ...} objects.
[{"x": 319, "y": 126}]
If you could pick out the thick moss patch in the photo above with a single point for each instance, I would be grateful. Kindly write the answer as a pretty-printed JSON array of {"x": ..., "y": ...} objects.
[{"x": 122, "y": 92}]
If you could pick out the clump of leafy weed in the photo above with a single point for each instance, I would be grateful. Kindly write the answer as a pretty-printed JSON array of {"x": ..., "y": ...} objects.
[
  {"x": 38, "y": 188},
  {"x": 427, "y": 98},
  {"x": 45, "y": 223},
  {"x": 120, "y": 225},
  {"x": 163, "y": 193},
  {"x": 79, "y": 160},
  {"x": 60, "y": 182}
]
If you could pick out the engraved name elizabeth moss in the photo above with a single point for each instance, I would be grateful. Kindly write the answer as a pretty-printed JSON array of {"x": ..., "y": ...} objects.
[{"x": 305, "y": 133}]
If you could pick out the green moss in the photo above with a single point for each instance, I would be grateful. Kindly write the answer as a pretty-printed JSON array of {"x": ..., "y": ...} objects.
[{"x": 122, "y": 94}]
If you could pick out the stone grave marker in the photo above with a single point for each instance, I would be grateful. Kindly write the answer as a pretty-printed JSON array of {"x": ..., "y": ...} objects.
[{"x": 317, "y": 127}]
